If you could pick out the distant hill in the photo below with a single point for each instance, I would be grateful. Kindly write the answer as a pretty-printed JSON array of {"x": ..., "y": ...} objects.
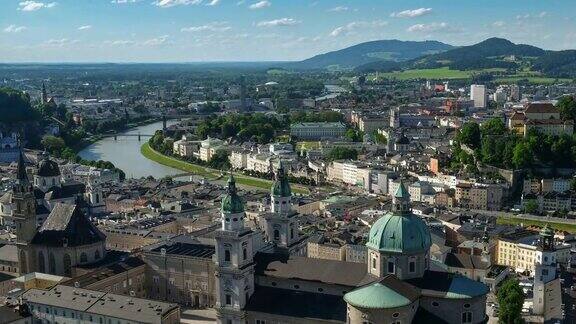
[
  {"x": 374, "y": 51},
  {"x": 493, "y": 53}
]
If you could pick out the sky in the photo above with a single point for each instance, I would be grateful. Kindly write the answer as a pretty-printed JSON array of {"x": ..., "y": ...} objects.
[{"x": 263, "y": 30}]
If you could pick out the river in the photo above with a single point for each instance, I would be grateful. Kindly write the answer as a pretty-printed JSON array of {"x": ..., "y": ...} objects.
[{"x": 124, "y": 152}]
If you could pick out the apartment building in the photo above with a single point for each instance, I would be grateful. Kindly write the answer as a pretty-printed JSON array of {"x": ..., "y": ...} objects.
[
  {"x": 477, "y": 196},
  {"x": 519, "y": 251}
]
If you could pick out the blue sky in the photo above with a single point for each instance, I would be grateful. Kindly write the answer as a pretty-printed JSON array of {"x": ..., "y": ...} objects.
[{"x": 254, "y": 30}]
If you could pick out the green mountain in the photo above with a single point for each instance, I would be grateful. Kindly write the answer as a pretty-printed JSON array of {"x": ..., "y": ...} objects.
[
  {"x": 493, "y": 53},
  {"x": 375, "y": 51}
]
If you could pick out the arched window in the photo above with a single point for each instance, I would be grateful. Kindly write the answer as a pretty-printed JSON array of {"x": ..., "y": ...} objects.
[
  {"x": 244, "y": 254},
  {"x": 276, "y": 234},
  {"x": 51, "y": 263},
  {"x": 53, "y": 181},
  {"x": 44, "y": 182},
  {"x": 67, "y": 265},
  {"x": 97, "y": 198},
  {"x": 227, "y": 255},
  {"x": 41, "y": 262},
  {"x": 97, "y": 255},
  {"x": 467, "y": 317},
  {"x": 291, "y": 232},
  {"x": 83, "y": 257}
]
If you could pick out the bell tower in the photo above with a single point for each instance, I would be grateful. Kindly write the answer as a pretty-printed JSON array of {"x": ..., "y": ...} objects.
[
  {"x": 24, "y": 215},
  {"x": 234, "y": 260},
  {"x": 281, "y": 226}
]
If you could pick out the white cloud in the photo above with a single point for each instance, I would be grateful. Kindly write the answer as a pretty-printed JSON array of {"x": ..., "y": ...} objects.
[
  {"x": 213, "y": 3},
  {"x": 348, "y": 28},
  {"x": 213, "y": 27},
  {"x": 278, "y": 22},
  {"x": 260, "y": 5},
  {"x": 120, "y": 42},
  {"x": 59, "y": 42},
  {"x": 124, "y": 1},
  {"x": 156, "y": 41},
  {"x": 339, "y": 9},
  {"x": 14, "y": 29},
  {"x": 498, "y": 24},
  {"x": 532, "y": 16},
  {"x": 85, "y": 27},
  {"x": 34, "y": 5},
  {"x": 172, "y": 3},
  {"x": 433, "y": 27},
  {"x": 412, "y": 13}
]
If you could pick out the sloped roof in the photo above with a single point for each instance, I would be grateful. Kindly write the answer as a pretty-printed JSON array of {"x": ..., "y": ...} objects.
[
  {"x": 449, "y": 285},
  {"x": 465, "y": 261},
  {"x": 67, "y": 225},
  {"x": 540, "y": 108}
]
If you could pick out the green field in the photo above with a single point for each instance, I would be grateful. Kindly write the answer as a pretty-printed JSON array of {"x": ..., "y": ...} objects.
[
  {"x": 446, "y": 73},
  {"x": 440, "y": 73},
  {"x": 571, "y": 228},
  {"x": 209, "y": 173}
]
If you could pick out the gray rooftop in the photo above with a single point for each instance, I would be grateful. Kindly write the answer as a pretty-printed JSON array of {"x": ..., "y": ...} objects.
[{"x": 99, "y": 303}]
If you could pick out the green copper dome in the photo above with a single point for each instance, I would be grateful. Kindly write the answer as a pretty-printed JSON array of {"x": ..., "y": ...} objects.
[
  {"x": 232, "y": 203},
  {"x": 400, "y": 233},
  {"x": 376, "y": 296},
  {"x": 547, "y": 231},
  {"x": 281, "y": 185}
]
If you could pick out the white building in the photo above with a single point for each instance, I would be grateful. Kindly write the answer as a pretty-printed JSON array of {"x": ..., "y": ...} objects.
[
  {"x": 317, "y": 130},
  {"x": 478, "y": 94}
]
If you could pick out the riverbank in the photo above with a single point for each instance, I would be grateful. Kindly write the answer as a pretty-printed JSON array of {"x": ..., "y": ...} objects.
[
  {"x": 561, "y": 226},
  {"x": 209, "y": 173}
]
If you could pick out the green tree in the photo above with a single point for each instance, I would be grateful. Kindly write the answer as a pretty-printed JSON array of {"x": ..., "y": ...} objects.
[
  {"x": 53, "y": 144},
  {"x": 510, "y": 299},
  {"x": 470, "y": 135},
  {"x": 567, "y": 107},
  {"x": 531, "y": 206},
  {"x": 522, "y": 157},
  {"x": 494, "y": 126},
  {"x": 220, "y": 160},
  {"x": 342, "y": 153}
]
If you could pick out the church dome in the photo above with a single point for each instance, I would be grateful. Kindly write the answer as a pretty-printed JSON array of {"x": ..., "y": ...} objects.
[
  {"x": 48, "y": 168},
  {"x": 232, "y": 203},
  {"x": 400, "y": 234},
  {"x": 400, "y": 231}
]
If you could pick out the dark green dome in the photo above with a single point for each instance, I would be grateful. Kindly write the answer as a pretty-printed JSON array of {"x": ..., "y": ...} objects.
[
  {"x": 232, "y": 203},
  {"x": 400, "y": 234},
  {"x": 281, "y": 186}
]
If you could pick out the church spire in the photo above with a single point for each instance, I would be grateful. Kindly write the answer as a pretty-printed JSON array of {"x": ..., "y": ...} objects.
[
  {"x": 44, "y": 98},
  {"x": 21, "y": 174},
  {"x": 281, "y": 185},
  {"x": 401, "y": 200}
]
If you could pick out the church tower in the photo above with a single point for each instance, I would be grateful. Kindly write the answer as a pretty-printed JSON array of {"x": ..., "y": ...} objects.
[
  {"x": 24, "y": 216},
  {"x": 234, "y": 260},
  {"x": 281, "y": 226},
  {"x": 546, "y": 281},
  {"x": 44, "y": 98},
  {"x": 94, "y": 196}
]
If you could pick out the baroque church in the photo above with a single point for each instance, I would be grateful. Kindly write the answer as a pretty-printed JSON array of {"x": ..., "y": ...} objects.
[
  {"x": 50, "y": 189},
  {"x": 66, "y": 238},
  {"x": 397, "y": 285}
]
